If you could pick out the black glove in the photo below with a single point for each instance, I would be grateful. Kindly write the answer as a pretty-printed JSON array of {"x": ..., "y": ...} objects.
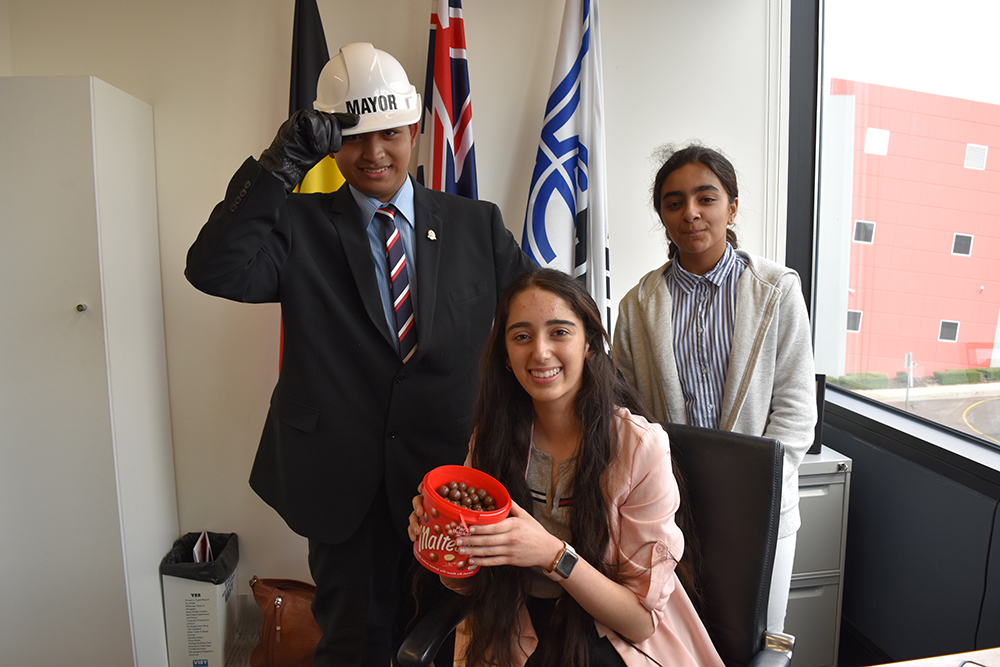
[{"x": 303, "y": 140}]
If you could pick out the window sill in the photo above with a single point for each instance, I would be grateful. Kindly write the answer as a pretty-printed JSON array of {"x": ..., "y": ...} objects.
[{"x": 950, "y": 452}]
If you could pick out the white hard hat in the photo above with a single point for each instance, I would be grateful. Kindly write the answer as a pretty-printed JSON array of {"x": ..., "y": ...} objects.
[{"x": 370, "y": 83}]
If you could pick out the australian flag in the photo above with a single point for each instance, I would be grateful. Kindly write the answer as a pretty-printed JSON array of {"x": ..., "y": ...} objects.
[
  {"x": 566, "y": 224},
  {"x": 447, "y": 157}
]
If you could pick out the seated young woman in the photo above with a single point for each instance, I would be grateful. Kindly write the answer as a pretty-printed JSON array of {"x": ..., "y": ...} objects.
[{"x": 590, "y": 477}]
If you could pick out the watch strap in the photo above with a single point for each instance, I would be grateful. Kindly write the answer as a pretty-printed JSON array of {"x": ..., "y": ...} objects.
[{"x": 552, "y": 568}]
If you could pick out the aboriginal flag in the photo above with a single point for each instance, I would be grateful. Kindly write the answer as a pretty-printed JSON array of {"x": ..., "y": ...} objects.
[{"x": 309, "y": 55}]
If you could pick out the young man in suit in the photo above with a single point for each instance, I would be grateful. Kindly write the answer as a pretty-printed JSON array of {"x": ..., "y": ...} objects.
[{"x": 361, "y": 410}]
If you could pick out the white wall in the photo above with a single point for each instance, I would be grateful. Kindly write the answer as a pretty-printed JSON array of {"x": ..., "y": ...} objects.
[
  {"x": 4, "y": 40},
  {"x": 216, "y": 74}
]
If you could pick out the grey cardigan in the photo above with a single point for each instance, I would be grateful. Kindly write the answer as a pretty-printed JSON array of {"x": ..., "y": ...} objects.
[{"x": 770, "y": 386}]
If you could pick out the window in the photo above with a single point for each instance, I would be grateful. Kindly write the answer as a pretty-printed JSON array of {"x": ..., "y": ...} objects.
[
  {"x": 903, "y": 139},
  {"x": 975, "y": 157},
  {"x": 948, "y": 332},
  {"x": 876, "y": 141},
  {"x": 961, "y": 245},
  {"x": 864, "y": 231}
]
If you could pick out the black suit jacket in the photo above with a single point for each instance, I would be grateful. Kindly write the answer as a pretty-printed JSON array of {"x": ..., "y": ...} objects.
[{"x": 346, "y": 412}]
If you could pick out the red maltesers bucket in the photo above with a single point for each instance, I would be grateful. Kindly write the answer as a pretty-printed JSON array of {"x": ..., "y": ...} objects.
[{"x": 443, "y": 521}]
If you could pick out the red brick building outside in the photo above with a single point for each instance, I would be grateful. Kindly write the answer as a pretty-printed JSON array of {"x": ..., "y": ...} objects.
[{"x": 925, "y": 247}]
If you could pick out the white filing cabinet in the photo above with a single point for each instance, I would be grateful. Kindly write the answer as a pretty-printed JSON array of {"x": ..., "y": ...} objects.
[
  {"x": 813, "y": 615},
  {"x": 87, "y": 499}
]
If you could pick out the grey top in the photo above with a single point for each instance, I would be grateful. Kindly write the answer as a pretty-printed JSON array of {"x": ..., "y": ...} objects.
[{"x": 551, "y": 508}]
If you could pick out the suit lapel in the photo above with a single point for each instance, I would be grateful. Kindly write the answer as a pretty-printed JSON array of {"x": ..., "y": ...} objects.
[
  {"x": 428, "y": 234},
  {"x": 346, "y": 218}
]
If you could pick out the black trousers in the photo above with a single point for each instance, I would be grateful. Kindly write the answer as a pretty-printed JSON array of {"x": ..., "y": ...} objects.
[
  {"x": 365, "y": 593},
  {"x": 360, "y": 589}
]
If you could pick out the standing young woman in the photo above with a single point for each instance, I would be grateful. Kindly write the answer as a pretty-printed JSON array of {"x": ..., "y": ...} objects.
[
  {"x": 563, "y": 434},
  {"x": 719, "y": 338}
]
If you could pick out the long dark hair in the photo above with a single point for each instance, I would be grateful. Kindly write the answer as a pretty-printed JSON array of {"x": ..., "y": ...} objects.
[
  {"x": 675, "y": 158},
  {"x": 502, "y": 427}
]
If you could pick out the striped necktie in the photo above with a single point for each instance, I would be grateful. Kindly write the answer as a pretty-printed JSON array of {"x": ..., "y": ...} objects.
[{"x": 399, "y": 283}]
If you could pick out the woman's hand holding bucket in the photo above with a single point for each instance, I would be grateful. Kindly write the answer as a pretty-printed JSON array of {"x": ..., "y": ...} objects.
[{"x": 517, "y": 540}]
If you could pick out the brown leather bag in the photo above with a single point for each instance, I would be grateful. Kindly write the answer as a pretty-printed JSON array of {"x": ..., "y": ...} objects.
[{"x": 288, "y": 631}]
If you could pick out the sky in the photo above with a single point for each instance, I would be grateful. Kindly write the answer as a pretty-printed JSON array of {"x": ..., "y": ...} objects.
[{"x": 945, "y": 48}]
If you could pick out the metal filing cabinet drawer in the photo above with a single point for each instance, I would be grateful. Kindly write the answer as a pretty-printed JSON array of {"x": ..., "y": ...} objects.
[
  {"x": 812, "y": 617},
  {"x": 821, "y": 504}
]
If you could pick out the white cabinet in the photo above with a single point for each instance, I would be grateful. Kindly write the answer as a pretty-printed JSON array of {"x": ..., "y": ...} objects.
[
  {"x": 813, "y": 614},
  {"x": 87, "y": 498}
]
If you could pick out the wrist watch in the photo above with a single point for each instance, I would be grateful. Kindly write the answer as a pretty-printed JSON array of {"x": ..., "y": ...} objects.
[{"x": 565, "y": 561}]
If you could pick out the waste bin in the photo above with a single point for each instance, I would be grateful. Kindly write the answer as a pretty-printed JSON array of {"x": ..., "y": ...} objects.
[{"x": 199, "y": 601}]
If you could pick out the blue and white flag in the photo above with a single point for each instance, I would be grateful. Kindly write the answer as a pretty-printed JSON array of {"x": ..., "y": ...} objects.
[
  {"x": 566, "y": 225},
  {"x": 447, "y": 156}
]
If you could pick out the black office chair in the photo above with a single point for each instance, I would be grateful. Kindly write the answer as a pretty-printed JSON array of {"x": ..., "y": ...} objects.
[{"x": 734, "y": 493}]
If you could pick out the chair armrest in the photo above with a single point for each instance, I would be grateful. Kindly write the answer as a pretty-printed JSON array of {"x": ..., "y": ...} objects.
[
  {"x": 428, "y": 633},
  {"x": 777, "y": 651}
]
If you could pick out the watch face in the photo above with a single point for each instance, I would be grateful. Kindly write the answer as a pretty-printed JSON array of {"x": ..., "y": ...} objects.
[{"x": 566, "y": 562}]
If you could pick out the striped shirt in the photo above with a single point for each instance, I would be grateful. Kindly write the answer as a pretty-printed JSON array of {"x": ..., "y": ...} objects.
[{"x": 703, "y": 311}]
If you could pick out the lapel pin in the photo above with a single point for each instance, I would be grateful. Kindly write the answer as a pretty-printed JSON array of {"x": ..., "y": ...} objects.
[{"x": 431, "y": 235}]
